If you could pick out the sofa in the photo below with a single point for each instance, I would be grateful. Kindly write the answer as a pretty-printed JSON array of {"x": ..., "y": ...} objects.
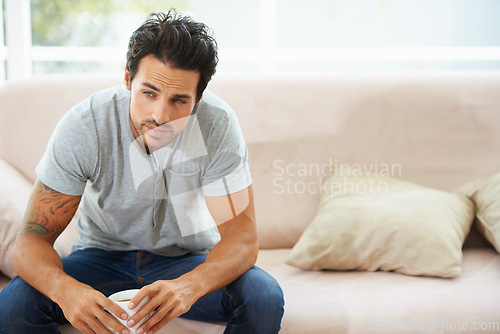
[{"x": 442, "y": 130}]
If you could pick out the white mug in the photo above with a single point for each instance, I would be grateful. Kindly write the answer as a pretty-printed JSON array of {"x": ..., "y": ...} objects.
[{"x": 122, "y": 299}]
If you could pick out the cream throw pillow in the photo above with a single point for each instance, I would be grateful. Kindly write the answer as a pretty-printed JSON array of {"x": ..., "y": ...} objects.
[
  {"x": 369, "y": 222},
  {"x": 15, "y": 191},
  {"x": 486, "y": 196}
]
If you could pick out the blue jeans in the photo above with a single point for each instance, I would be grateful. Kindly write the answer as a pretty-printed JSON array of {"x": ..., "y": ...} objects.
[{"x": 253, "y": 303}]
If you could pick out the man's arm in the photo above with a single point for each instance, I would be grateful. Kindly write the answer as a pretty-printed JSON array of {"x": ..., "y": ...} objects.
[
  {"x": 235, "y": 254},
  {"x": 35, "y": 260}
]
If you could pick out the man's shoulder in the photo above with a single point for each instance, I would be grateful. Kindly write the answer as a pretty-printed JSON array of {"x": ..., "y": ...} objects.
[
  {"x": 101, "y": 105},
  {"x": 103, "y": 98}
]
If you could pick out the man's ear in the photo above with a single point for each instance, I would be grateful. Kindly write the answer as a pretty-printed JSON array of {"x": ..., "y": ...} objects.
[{"x": 126, "y": 79}]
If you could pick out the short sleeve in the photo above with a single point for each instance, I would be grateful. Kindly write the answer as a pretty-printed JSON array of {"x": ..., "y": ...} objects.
[
  {"x": 71, "y": 154},
  {"x": 228, "y": 170}
]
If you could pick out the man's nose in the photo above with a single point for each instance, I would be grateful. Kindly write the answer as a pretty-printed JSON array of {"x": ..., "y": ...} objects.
[{"x": 161, "y": 114}]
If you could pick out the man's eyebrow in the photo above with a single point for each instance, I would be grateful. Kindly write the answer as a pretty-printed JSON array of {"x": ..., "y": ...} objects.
[
  {"x": 182, "y": 96},
  {"x": 156, "y": 89}
]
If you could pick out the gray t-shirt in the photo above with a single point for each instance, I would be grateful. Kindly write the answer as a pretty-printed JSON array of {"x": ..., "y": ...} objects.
[{"x": 133, "y": 200}]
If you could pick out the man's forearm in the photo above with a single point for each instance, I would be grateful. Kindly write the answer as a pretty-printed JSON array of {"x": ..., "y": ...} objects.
[
  {"x": 228, "y": 260},
  {"x": 40, "y": 266},
  {"x": 237, "y": 250},
  {"x": 37, "y": 262}
]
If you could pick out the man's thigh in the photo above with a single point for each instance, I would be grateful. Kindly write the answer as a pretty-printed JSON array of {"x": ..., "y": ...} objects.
[
  {"x": 255, "y": 293},
  {"x": 154, "y": 268},
  {"x": 105, "y": 271},
  {"x": 245, "y": 294}
]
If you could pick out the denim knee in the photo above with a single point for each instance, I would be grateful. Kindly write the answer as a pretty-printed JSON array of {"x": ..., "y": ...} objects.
[
  {"x": 269, "y": 299},
  {"x": 257, "y": 301},
  {"x": 25, "y": 310}
]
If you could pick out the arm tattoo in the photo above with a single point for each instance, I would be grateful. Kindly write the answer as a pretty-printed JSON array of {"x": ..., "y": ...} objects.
[
  {"x": 49, "y": 212},
  {"x": 34, "y": 228}
]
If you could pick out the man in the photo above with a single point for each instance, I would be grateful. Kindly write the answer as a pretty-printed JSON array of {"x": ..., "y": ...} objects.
[{"x": 159, "y": 171}]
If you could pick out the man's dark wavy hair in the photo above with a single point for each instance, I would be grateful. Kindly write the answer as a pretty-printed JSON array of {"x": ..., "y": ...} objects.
[{"x": 177, "y": 40}]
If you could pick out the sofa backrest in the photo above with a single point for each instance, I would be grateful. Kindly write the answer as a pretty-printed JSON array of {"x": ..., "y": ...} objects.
[
  {"x": 437, "y": 129},
  {"x": 31, "y": 108},
  {"x": 440, "y": 130}
]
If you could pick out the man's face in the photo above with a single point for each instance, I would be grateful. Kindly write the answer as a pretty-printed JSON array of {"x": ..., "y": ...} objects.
[{"x": 162, "y": 98}]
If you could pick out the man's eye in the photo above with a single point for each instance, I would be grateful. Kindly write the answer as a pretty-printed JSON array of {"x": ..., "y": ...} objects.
[
  {"x": 149, "y": 93},
  {"x": 179, "y": 101}
]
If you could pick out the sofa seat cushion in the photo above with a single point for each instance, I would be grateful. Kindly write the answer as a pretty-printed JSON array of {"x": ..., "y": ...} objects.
[
  {"x": 362, "y": 302},
  {"x": 353, "y": 302}
]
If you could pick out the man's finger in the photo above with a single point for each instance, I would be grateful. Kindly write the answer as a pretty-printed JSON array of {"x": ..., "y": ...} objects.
[
  {"x": 112, "y": 307},
  {"x": 109, "y": 320},
  {"x": 143, "y": 312},
  {"x": 138, "y": 298},
  {"x": 157, "y": 317},
  {"x": 164, "y": 321},
  {"x": 170, "y": 309},
  {"x": 97, "y": 326}
]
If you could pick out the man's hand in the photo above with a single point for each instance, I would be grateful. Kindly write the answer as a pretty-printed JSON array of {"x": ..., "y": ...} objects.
[
  {"x": 85, "y": 308},
  {"x": 170, "y": 299}
]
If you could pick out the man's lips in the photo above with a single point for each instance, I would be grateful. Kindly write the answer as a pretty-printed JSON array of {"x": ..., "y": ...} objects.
[{"x": 157, "y": 131}]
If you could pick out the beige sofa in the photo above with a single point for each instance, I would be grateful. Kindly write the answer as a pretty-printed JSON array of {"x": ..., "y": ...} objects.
[{"x": 443, "y": 129}]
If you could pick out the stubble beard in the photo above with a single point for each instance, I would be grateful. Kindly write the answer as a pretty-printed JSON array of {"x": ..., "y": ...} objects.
[{"x": 154, "y": 136}]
